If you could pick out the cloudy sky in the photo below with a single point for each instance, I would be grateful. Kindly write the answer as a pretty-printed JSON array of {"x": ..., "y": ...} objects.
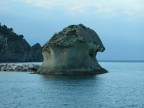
[{"x": 119, "y": 23}]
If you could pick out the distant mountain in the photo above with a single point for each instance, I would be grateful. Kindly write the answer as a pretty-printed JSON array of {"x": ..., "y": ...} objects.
[{"x": 14, "y": 48}]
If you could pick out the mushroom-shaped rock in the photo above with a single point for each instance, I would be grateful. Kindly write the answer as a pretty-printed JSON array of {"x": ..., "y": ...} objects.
[{"x": 72, "y": 51}]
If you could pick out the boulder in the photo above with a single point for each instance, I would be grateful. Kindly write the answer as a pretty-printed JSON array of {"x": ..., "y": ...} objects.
[{"x": 72, "y": 51}]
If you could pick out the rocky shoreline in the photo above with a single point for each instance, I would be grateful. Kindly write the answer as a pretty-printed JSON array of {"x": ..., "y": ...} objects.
[{"x": 19, "y": 67}]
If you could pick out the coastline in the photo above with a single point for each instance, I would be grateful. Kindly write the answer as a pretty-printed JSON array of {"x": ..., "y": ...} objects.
[{"x": 34, "y": 66}]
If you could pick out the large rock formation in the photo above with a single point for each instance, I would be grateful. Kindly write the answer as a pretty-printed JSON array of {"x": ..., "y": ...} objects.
[
  {"x": 14, "y": 48},
  {"x": 72, "y": 51}
]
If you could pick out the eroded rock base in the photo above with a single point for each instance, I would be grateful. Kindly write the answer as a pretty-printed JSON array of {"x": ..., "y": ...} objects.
[{"x": 73, "y": 72}]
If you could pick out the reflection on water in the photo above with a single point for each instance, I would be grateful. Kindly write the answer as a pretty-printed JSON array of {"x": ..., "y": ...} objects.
[{"x": 122, "y": 87}]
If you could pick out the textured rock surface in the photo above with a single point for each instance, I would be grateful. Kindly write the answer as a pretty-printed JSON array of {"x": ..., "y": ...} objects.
[
  {"x": 14, "y": 48},
  {"x": 19, "y": 67},
  {"x": 72, "y": 51}
]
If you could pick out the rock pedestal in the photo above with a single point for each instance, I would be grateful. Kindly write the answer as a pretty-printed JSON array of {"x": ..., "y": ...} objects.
[{"x": 72, "y": 51}]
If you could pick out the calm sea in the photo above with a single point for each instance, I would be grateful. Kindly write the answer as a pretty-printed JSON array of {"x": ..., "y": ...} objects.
[{"x": 122, "y": 87}]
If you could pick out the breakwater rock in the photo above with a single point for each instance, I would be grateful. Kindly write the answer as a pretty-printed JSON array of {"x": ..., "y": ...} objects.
[
  {"x": 72, "y": 51},
  {"x": 19, "y": 67}
]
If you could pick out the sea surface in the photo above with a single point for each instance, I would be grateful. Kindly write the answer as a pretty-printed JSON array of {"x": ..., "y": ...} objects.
[{"x": 122, "y": 87}]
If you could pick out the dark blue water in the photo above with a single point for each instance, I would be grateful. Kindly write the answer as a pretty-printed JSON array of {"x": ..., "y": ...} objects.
[{"x": 122, "y": 87}]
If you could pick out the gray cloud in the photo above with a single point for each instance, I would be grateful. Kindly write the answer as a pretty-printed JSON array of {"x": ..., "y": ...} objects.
[{"x": 129, "y": 7}]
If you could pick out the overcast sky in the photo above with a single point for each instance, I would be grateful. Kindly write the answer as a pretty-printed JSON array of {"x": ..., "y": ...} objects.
[{"x": 119, "y": 23}]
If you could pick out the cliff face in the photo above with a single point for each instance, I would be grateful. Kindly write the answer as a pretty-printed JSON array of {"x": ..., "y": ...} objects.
[
  {"x": 14, "y": 48},
  {"x": 36, "y": 53},
  {"x": 72, "y": 51}
]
